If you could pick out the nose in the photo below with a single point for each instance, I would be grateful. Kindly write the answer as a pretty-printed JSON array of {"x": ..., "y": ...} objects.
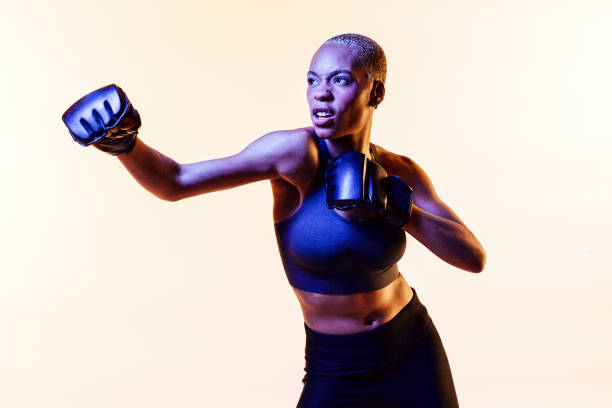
[{"x": 322, "y": 93}]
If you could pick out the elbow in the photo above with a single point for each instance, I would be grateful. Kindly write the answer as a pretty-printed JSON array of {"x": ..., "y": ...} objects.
[
  {"x": 170, "y": 194},
  {"x": 172, "y": 197},
  {"x": 478, "y": 262}
]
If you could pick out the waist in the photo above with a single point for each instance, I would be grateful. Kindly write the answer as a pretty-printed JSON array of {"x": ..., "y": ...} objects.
[
  {"x": 365, "y": 353},
  {"x": 354, "y": 313}
]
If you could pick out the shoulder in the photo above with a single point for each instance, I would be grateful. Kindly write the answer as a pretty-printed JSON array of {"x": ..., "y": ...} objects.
[
  {"x": 293, "y": 141},
  {"x": 279, "y": 148},
  {"x": 293, "y": 152},
  {"x": 408, "y": 170},
  {"x": 425, "y": 195},
  {"x": 294, "y": 149}
]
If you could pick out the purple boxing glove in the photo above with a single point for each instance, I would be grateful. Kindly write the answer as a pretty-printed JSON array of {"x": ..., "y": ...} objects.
[{"x": 104, "y": 118}]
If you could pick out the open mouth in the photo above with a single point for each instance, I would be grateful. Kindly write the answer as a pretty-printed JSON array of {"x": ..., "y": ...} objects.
[{"x": 322, "y": 116}]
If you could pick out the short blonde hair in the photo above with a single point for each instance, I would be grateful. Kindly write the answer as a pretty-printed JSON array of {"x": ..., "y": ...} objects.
[{"x": 367, "y": 52}]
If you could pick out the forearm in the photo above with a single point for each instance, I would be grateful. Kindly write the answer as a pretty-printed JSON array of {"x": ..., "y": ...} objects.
[
  {"x": 154, "y": 171},
  {"x": 450, "y": 241}
]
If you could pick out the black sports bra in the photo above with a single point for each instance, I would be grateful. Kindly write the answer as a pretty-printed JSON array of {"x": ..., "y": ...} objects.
[{"x": 326, "y": 253}]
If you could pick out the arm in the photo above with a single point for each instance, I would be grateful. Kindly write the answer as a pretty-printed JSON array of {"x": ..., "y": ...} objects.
[
  {"x": 107, "y": 119},
  {"x": 152, "y": 170},
  {"x": 275, "y": 154},
  {"x": 436, "y": 226},
  {"x": 450, "y": 240},
  {"x": 432, "y": 222}
]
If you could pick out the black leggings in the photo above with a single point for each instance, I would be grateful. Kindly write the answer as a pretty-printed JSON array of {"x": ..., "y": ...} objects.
[{"x": 399, "y": 364}]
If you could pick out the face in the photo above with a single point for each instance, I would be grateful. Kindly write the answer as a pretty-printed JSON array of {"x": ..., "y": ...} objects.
[{"x": 338, "y": 92}]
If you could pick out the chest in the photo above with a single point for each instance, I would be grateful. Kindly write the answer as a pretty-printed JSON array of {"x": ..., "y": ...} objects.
[{"x": 321, "y": 239}]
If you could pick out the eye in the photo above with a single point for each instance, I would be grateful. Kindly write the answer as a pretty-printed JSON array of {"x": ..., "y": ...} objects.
[
  {"x": 340, "y": 79},
  {"x": 310, "y": 81}
]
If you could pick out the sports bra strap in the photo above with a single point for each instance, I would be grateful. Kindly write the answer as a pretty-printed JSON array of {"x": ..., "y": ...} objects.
[{"x": 374, "y": 152}]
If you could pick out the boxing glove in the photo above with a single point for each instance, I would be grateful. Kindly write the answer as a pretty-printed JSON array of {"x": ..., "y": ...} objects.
[
  {"x": 351, "y": 181},
  {"x": 399, "y": 200},
  {"x": 104, "y": 118}
]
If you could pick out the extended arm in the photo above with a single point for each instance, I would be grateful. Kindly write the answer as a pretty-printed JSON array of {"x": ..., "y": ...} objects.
[
  {"x": 107, "y": 119},
  {"x": 172, "y": 181},
  {"x": 275, "y": 154},
  {"x": 154, "y": 171}
]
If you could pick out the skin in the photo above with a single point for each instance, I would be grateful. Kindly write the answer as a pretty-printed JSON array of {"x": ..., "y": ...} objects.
[{"x": 289, "y": 160}]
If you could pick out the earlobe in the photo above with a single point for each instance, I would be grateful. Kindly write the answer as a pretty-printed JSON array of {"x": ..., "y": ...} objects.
[
  {"x": 375, "y": 102},
  {"x": 374, "y": 99},
  {"x": 377, "y": 94}
]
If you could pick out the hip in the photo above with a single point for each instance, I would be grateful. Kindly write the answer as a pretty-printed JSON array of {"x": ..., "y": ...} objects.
[
  {"x": 401, "y": 363},
  {"x": 368, "y": 351}
]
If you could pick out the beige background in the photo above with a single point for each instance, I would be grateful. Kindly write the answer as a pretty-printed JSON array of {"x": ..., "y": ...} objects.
[{"x": 110, "y": 297}]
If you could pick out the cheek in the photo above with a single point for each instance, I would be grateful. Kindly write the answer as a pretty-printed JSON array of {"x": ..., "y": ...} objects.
[
  {"x": 356, "y": 105},
  {"x": 350, "y": 101},
  {"x": 360, "y": 98}
]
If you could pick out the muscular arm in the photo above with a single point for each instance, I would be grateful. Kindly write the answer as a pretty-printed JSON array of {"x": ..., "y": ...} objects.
[
  {"x": 154, "y": 171},
  {"x": 432, "y": 222},
  {"x": 275, "y": 154},
  {"x": 450, "y": 240}
]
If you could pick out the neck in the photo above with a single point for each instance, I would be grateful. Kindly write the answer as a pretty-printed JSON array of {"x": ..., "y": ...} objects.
[{"x": 353, "y": 142}]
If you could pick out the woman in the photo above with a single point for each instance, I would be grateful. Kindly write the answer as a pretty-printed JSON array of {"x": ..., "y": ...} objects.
[{"x": 369, "y": 340}]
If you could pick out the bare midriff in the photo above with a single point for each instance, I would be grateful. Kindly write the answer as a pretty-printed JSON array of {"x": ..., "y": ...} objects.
[{"x": 354, "y": 313}]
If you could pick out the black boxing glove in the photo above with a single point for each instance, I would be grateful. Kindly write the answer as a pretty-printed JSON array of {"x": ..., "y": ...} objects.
[
  {"x": 351, "y": 181},
  {"x": 345, "y": 181},
  {"x": 399, "y": 201},
  {"x": 104, "y": 118}
]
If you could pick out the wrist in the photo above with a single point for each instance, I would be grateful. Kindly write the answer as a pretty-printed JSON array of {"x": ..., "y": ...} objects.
[
  {"x": 413, "y": 222},
  {"x": 117, "y": 143}
]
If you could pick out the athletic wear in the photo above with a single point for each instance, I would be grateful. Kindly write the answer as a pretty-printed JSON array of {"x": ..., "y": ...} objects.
[
  {"x": 323, "y": 252},
  {"x": 401, "y": 364}
]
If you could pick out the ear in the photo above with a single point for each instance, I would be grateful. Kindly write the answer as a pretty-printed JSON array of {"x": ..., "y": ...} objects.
[{"x": 377, "y": 94}]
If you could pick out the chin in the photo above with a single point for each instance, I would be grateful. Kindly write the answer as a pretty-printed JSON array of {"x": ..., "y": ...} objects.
[{"x": 326, "y": 133}]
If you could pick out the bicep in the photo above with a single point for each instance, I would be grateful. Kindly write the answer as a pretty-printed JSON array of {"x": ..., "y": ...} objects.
[
  {"x": 425, "y": 195},
  {"x": 257, "y": 161}
]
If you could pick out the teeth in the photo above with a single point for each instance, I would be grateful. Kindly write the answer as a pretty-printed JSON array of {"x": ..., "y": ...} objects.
[{"x": 323, "y": 114}]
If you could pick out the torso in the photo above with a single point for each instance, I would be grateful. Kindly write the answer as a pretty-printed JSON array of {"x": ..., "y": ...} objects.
[
  {"x": 338, "y": 314},
  {"x": 346, "y": 314}
]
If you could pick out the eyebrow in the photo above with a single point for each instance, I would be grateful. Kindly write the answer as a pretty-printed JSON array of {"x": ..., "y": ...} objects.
[{"x": 340, "y": 71}]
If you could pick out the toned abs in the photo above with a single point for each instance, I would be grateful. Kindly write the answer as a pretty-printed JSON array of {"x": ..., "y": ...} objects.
[{"x": 354, "y": 313}]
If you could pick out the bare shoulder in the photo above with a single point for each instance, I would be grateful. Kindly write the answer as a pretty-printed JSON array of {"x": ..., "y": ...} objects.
[
  {"x": 296, "y": 152},
  {"x": 425, "y": 195},
  {"x": 289, "y": 138},
  {"x": 296, "y": 171},
  {"x": 278, "y": 155},
  {"x": 408, "y": 170}
]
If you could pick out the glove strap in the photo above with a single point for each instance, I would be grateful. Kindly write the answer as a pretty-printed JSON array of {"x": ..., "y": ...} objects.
[{"x": 118, "y": 143}]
